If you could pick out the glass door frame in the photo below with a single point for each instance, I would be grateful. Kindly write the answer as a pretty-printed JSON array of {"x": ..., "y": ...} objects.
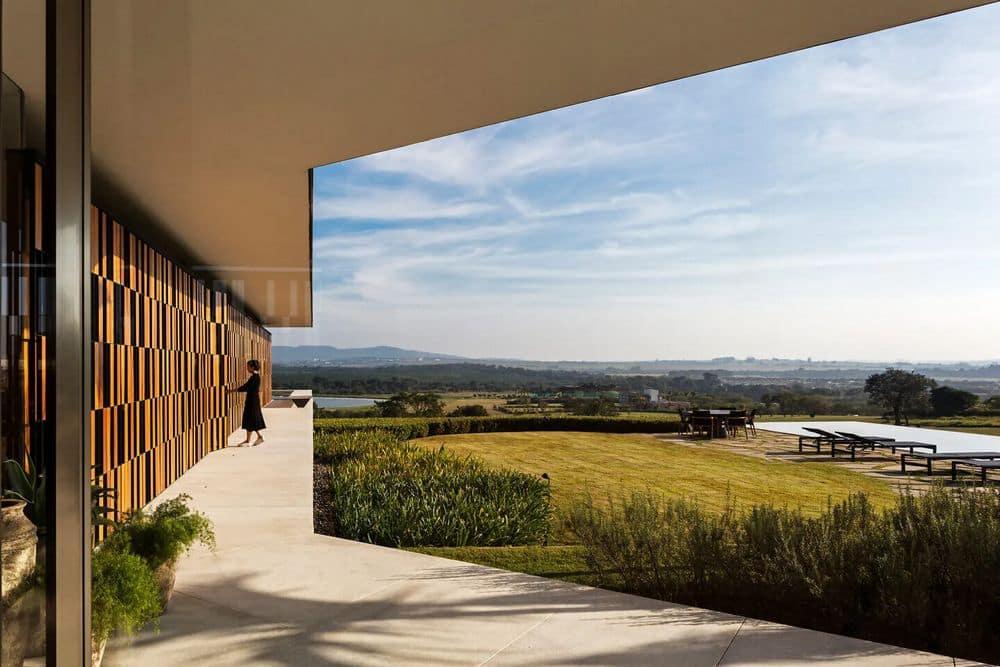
[{"x": 66, "y": 206}]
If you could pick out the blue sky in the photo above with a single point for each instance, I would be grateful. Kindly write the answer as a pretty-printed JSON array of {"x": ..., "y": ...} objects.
[{"x": 838, "y": 203}]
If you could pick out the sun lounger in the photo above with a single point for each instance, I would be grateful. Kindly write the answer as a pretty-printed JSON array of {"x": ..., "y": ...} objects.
[
  {"x": 982, "y": 464},
  {"x": 820, "y": 438},
  {"x": 931, "y": 457},
  {"x": 888, "y": 443},
  {"x": 842, "y": 442},
  {"x": 817, "y": 441}
]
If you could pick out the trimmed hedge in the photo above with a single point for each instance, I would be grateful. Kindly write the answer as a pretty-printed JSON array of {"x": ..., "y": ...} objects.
[{"x": 407, "y": 428}]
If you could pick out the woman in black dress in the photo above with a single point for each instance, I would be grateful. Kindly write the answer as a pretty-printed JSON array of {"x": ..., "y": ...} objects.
[{"x": 253, "y": 418}]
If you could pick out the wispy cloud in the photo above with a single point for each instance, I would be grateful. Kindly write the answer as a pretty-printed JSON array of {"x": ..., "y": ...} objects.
[
  {"x": 852, "y": 148},
  {"x": 854, "y": 175},
  {"x": 380, "y": 203},
  {"x": 489, "y": 159}
]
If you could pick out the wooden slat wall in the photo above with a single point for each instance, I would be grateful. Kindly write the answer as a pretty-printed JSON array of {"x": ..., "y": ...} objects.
[{"x": 165, "y": 349}]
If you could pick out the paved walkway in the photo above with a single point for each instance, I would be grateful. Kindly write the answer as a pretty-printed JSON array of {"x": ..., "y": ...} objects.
[{"x": 276, "y": 594}]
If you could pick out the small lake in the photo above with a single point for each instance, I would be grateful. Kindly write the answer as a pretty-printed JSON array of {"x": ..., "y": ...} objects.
[{"x": 342, "y": 402}]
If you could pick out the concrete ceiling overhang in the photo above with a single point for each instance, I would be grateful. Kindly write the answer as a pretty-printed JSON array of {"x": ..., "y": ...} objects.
[{"x": 208, "y": 115}]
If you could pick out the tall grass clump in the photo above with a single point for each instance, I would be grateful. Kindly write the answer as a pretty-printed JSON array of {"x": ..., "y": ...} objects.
[
  {"x": 924, "y": 573},
  {"x": 389, "y": 492}
]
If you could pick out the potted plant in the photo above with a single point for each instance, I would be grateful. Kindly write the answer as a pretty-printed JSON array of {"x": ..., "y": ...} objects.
[
  {"x": 23, "y": 559},
  {"x": 26, "y": 484},
  {"x": 160, "y": 537},
  {"x": 19, "y": 539},
  {"x": 124, "y": 596}
]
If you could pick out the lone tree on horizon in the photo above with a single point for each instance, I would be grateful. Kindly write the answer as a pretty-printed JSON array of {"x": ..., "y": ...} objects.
[
  {"x": 949, "y": 401},
  {"x": 899, "y": 392}
]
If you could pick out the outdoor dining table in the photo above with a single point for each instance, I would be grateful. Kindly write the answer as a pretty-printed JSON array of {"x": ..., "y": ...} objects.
[{"x": 716, "y": 419}]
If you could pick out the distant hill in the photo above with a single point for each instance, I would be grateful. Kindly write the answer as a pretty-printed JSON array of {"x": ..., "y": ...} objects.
[
  {"x": 300, "y": 355},
  {"x": 385, "y": 355}
]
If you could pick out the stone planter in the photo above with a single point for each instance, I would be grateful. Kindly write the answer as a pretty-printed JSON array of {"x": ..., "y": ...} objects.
[
  {"x": 19, "y": 540},
  {"x": 15, "y": 634},
  {"x": 40, "y": 548},
  {"x": 23, "y": 627},
  {"x": 166, "y": 575}
]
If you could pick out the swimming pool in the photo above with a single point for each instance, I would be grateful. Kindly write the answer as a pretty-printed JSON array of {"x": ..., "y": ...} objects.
[{"x": 947, "y": 441}]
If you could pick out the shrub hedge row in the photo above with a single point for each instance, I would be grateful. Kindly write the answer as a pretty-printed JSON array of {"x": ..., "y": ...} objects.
[
  {"x": 924, "y": 573},
  {"x": 394, "y": 493},
  {"x": 407, "y": 428}
]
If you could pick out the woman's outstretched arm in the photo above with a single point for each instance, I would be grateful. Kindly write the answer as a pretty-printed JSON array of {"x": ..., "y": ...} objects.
[{"x": 241, "y": 388}]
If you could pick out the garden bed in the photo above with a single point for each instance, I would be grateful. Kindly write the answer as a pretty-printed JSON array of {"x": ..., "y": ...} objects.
[{"x": 374, "y": 487}]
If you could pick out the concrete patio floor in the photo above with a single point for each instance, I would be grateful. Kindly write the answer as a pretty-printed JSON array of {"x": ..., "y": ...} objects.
[{"x": 273, "y": 593}]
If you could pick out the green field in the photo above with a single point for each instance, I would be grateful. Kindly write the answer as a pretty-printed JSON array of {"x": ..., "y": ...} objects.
[{"x": 610, "y": 465}]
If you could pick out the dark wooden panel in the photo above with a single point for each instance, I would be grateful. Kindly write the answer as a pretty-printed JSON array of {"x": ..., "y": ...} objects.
[{"x": 25, "y": 315}]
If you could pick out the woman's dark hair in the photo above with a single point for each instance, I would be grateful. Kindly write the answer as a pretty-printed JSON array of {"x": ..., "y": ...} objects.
[{"x": 254, "y": 364}]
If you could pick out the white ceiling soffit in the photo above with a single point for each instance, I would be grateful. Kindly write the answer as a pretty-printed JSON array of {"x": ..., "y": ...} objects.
[{"x": 209, "y": 114}]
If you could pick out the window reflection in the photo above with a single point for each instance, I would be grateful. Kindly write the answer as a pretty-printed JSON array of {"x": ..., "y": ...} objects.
[{"x": 25, "y": 389}]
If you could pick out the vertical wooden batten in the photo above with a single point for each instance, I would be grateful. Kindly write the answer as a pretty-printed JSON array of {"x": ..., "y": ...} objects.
[{"x": 166, "y": 348}]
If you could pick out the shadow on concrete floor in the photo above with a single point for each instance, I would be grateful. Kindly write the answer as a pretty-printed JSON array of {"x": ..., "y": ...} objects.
[{"x": 398, "y": 628}]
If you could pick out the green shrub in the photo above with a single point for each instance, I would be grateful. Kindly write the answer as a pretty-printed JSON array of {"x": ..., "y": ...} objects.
[
  {"x": 161, "y": 536},
  {"x": 124, "y": 595},
  {"x": 474, "y": 410},
  {"x": 336, "y": 449},
  {"x": 408, "y": 428},
  {"x": 392, "y": 493},
  {"x": 922, "y": 574}
]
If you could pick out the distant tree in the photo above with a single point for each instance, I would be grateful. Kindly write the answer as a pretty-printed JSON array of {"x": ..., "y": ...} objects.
[
  {"x": 992, "y": 403},
  {"x": 948, "y": 401},
  {"x": 900, "y": 393},
  {"x": 469, "y": 411},
  {"x": 593, "y": 407},
  {"x": 815, "y": 405},
  {"x": 393, "y": 407},
  {"x": 711, "y": 381},
  {"x": 426, "y": 405},
  {"x": 406, "y": 404}
]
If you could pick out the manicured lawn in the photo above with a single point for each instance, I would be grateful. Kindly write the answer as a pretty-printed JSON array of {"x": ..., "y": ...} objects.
[
  {"x": 609, "y": 465},
  {"x": 966, "y": 424}
]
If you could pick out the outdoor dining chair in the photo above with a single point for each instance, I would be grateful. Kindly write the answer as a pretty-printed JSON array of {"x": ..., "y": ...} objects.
[
  {"x": 685, "y": 421},
  {"x": 736, "y": 420}
]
